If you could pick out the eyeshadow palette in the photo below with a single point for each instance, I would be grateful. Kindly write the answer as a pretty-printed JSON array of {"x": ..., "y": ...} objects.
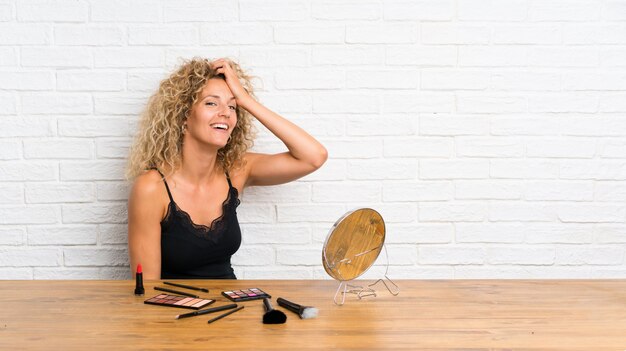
[
  {"x": 246, "y": 294},
  {"x": 178, "y": 301}
]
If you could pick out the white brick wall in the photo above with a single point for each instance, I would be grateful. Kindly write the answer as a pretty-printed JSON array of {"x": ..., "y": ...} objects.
[{"x": 489, "y": 134}]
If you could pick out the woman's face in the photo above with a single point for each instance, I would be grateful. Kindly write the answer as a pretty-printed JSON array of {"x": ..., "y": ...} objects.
[{"x": 213, "y": 117}]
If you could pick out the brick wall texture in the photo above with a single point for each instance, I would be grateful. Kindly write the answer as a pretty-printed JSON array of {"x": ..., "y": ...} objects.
[{"x": 490, "y": 134}]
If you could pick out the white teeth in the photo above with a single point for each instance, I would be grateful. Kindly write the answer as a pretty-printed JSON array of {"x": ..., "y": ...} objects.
[{"x": 220, "y": 126}]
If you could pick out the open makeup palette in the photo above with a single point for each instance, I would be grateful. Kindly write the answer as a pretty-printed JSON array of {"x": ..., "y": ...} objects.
[
  {"x": 179, "y": 301},
  {"x": 246, "y": 294}
]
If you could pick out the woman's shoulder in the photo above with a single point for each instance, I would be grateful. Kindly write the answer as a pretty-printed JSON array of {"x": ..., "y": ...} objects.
[
  {"x": 239, "y": 173},
  {"x": 248, "y": 160},
  {"x": 147, "y": 203},
  {"x": 149, "y": 184}
]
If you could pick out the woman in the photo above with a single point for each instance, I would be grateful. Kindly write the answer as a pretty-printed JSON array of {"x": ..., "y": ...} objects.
[{"x": 189, "y": 164}]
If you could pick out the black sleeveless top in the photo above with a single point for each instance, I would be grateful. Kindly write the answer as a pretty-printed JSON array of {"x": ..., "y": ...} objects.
[{"x": 195, "y": 251}]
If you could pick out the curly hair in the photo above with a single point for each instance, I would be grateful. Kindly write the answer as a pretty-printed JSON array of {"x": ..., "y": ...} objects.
[{"x": 158, "y": 143}]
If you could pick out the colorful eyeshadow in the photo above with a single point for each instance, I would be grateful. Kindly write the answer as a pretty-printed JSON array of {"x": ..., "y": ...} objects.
[
  {"x": 185, "y": 300},
  {"x": 199, "y": 304},
  {"x": 178, "y": 301},
  {"x": 245, "y": 294}
]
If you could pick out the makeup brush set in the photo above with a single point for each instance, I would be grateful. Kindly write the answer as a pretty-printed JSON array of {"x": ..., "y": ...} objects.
[
  {"x": 187, "y": 300},
  {"x": 271, "y": 315}
]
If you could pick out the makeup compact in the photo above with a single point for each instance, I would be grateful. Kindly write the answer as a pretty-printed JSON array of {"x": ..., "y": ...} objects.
[
  {"x": 246, "y": 294},
  {"x": 179, "y": 301}
]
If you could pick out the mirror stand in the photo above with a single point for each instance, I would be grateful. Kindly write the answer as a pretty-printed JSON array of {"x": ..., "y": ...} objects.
[
  {"x": 361, "y": 291},
  {"x": 396, "y": 289}
]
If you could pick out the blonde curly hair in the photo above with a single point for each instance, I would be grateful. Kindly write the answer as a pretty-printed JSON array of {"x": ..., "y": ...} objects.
[{"x": 158, "y": 143}]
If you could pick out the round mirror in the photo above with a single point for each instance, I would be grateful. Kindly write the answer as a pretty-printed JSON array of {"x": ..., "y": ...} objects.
[{"x": 353, "y": 244}]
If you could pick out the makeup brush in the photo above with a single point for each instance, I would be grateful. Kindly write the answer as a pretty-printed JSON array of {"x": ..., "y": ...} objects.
[
  {"x": 305, "y": 312},
  {"x": 271, "y": 315}
]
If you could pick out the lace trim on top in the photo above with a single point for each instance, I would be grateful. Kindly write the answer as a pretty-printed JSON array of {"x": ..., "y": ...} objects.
[{"x": 200, "y": 230}]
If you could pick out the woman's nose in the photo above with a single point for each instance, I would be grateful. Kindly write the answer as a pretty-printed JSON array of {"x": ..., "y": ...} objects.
[{"x": 224, "y": 111}]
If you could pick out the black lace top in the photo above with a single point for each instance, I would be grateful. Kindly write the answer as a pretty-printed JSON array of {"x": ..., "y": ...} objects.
[{"x": 195, "y": 251}]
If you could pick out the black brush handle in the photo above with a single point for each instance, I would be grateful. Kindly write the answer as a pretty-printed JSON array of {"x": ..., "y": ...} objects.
[
  {"x": 210, "y": 310},
  {"x": 267, "y": 304},
  {"x": 186, "y": 286},
  {"x": 291, "y": 306},
  {"x": 175, "y": 292},
  {"x": 225, "y": 314}
]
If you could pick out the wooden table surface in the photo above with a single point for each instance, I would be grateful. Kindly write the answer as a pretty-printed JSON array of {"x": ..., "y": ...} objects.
[{"x": 427, "y": 314}]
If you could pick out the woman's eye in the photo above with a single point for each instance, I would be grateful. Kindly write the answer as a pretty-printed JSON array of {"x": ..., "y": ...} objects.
[
  {"x": 233, "y": 108},
  {"x": 210, "y": 103}
]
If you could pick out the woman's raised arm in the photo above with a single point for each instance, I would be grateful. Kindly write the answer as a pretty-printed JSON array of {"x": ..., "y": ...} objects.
[{"x": 305, "y": 154}]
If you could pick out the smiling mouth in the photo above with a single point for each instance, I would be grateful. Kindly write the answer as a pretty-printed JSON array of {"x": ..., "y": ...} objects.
[{"x": 220, "y": 126}]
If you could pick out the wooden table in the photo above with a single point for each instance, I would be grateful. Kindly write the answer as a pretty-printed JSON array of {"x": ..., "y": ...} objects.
[{"x": 436, "y": 314}]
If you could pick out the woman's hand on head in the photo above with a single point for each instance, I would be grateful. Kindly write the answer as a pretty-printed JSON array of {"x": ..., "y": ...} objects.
[{"x": 223, "y": 66}]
